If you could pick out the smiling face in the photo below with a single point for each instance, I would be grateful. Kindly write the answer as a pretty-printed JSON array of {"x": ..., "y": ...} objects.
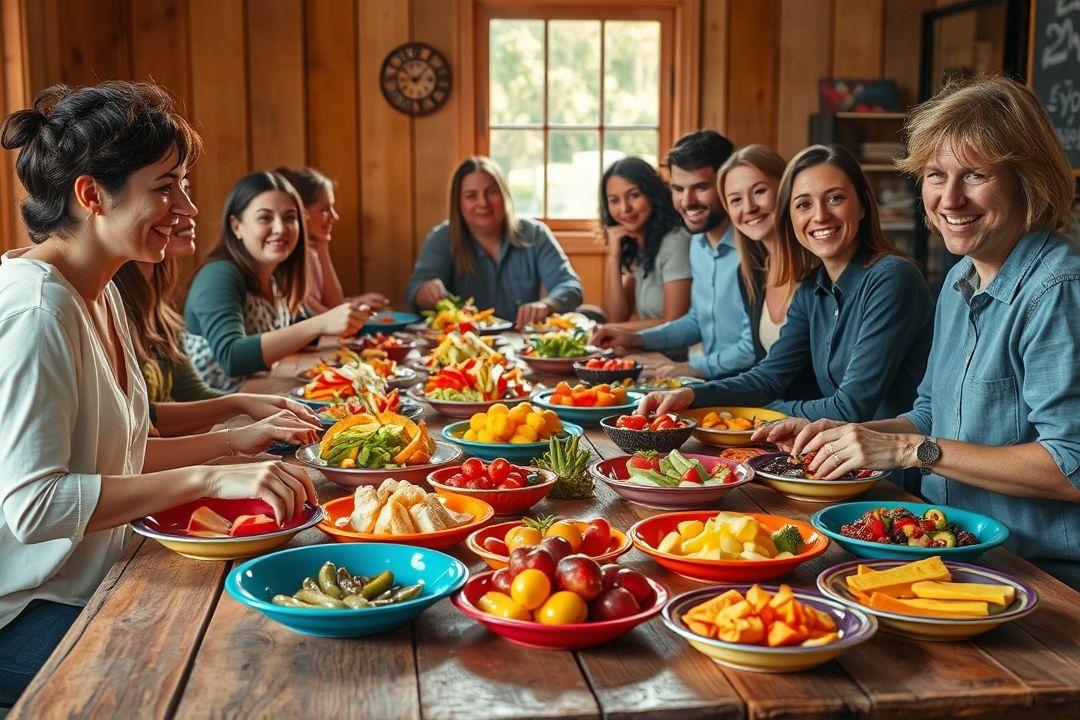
[
  {"x": 750, "y": 198},
  {"x": 322, "y": 215},
  {"x": 482, "y": 205},
  {"x": 182, "y": 239},
  {"x": 269, "y": 228},
  {"x": 143, "y": 217},
  {"x": 627, "y": 204},
  {"x": 825, "y": 214},
  {"x": 975, "y": 208},
  {"x": 695, "y": 197}
]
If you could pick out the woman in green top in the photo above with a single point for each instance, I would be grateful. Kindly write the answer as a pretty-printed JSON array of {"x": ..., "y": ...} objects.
[
  {"x": 180, "y": 402},
  {"x": 239, "y": 312}
]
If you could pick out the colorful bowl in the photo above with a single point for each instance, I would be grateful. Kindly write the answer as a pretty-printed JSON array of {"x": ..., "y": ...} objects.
[
  {"x": 833, "y": 582},
  {"x": 572, "y": 636},
  {"x": 510, "y": 501},
  {"x": 620, "y": 543},
  {"x": 647, "y": 534},
  {"x": 457, "y": 408},
  {"x": 613, "y": 472},
  {"x": 555, "y": 366},
  {"x": 587, "y": 416},
  {"x": 342, "y": 508},
  {"x": 514, "y": 452},
  {"x": 855, "y": 627},
  {"x": 397, "y": 353},
  {"x": 387, "y": 321},
  {"x": 167, "y": 527},
  {"x": 255, "y": 582},
  {"x": 498, "y": 325},
  {"x": 409, "y": 410},
  {"x": 651, "y": 385},
  {"x": 729, "y": 438},
  {"x": 349, "y": 478},
  {"x": 989, "y": 532},
  {"x": 811, "y": 489},
  {"x": 608, "y": 377},
  {"x": 632, "y": 441}
]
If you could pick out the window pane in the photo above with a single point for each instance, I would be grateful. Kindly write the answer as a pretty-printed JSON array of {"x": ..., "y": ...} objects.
[
  {"x": 574, "y": 72},
  {"x": 516, "y": 71},
  {"x": 573, "y": 173},
  {"x": 520, "y": 154},
  {"x": 620, "y": 143},
  {"x": 631, "y": 72}
]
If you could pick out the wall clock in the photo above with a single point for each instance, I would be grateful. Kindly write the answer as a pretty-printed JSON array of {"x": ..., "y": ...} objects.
[{"x": 415, "y": 79}]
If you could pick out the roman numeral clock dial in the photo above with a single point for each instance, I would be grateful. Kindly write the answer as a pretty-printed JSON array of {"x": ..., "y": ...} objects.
[{"x": 415, "y": 79}]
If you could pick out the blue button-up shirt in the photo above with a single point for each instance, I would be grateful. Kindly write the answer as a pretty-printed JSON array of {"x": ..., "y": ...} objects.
[
  {"x": 1005, "y": 370},
  {"x": 717, "y": 318},
  {"x": 506, "y": 284},
  {"x": 867, "y": 337}
]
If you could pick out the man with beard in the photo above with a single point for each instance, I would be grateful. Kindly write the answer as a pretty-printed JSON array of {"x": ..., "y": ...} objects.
[{"x": 717, "y": 318}]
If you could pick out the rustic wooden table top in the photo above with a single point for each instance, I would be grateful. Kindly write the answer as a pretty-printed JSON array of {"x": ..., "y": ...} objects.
[{"x": 160, "y": 639}]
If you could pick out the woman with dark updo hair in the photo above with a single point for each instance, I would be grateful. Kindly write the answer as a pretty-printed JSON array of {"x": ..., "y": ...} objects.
[{"x": 103, "y": 169}]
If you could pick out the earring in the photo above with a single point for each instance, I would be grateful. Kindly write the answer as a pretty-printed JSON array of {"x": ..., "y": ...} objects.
[{"x": 90, "y": 214}]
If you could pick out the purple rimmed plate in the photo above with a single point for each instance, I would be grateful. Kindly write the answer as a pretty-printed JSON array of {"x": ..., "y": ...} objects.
[{"x": 613, "y": 471}]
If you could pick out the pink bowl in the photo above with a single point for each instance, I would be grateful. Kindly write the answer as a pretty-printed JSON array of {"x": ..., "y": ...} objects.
[
  {"x": 512, "y": 501},
  {"x": 614, "y": 473},
  {"x": 573, "y": 636}
]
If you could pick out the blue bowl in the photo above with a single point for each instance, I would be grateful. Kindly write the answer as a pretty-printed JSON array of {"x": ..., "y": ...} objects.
[
  {"x": 587, "y": 416},
  {"x": 515, "y": 452},
  {"x": 394, "y": 321},
  {"x": 989, "y": 532},
  {"x": 258, "y": 580}
]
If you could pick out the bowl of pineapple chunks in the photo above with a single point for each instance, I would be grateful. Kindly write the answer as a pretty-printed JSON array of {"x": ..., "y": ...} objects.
[{"x": 711, "y": 546}]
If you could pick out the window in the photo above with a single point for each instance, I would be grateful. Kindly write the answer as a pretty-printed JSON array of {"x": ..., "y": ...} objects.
[{"x": 569, "y": 95}]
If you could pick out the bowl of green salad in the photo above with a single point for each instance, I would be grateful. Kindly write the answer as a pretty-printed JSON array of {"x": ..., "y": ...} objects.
[{"x": 555, "y": 353}]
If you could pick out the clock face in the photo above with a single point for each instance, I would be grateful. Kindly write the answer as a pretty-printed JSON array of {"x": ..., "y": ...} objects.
[{"x": 415, "y": 79}]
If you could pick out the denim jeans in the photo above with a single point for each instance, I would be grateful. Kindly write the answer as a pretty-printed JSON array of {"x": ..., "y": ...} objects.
[{"x": 26, "y": 643}]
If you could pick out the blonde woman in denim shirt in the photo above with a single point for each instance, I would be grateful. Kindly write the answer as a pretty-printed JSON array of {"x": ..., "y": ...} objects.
[{"x": 996, "y": 426}]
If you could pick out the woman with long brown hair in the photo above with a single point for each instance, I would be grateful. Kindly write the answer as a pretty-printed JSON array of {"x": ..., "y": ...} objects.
[
  {"x": 861, "y": 318},
  {"x": 239, "y": 311},
  {"x": 486, "y": 252}
]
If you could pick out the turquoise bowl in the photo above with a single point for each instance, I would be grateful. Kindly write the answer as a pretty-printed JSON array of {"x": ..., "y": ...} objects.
[
  {"x": 255, "y": 582},
  {"x": 587, "y": 416},
  {"x": 515, "y": 452},
  {"x": 388, "y": 321},
  {"x": 989, "y": 532}
]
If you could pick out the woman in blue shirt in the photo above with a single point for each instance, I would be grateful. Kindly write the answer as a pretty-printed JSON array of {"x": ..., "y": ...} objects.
[
  {"x": 486, "y": 252},
  {"x": 861, "y": 318},
  {"x": 996, "y": 427}
]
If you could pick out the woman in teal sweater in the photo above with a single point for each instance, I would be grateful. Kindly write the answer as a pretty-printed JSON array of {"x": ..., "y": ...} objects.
[{"x": 239, "y": 310}]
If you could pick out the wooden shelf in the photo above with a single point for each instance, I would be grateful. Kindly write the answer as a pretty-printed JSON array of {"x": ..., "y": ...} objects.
[{"x": 878, "y": 167}]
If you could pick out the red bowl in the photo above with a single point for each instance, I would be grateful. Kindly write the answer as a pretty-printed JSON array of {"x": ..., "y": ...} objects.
[
  {"x": 511, "y": 501},
  {"x": 620, "y": 543},
  {"x": 174, "y": 521},
  {"x": 573, "y": 636},
  {"x": 397, "y": 354},
  {"x": 647, "y": 534}
]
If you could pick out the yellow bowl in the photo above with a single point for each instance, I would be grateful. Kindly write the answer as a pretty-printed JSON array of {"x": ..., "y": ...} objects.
[
  {"x": 819, "y": 490},
  {"x": 729, "y": 438}
]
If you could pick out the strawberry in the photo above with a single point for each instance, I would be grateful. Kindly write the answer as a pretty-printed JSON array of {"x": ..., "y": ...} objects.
[{"x": 876, "y": 526}]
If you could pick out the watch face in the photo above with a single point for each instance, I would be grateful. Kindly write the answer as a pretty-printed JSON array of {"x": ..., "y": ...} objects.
[
  {"x": 415, "y": 79},
  {"x": 928, "y": 452}
]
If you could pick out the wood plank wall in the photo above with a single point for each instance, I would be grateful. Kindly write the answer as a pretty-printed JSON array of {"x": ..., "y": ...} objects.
[{"x": 271, "y": 82}]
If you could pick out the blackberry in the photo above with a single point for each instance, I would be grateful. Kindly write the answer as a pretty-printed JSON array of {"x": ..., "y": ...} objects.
[{"x": 963, "y": 537}]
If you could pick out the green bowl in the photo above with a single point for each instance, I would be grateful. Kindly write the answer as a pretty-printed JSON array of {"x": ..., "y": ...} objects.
[
  {"x": 515, "y": 452},
  {"x": 587, "y": 416}
]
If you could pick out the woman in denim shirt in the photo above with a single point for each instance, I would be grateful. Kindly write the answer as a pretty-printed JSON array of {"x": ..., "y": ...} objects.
[
  {"x": 996, "y": 427},
  {"x": 486, "y": 252},
  {"x": 861, "y": 318}
]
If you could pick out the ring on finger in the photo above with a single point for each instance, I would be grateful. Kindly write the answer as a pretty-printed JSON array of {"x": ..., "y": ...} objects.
[{"x": 836, "y": 459}]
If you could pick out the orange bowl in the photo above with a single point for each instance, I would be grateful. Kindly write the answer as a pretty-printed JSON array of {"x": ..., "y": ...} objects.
[
  {"x": 475, "y": 542},
  {"x": 647, "y": 534},
  {"x": 343, "y": 507}
]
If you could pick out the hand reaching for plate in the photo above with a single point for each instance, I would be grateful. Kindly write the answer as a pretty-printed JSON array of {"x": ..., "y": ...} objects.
[
  {"x": 532, "y": 313},
  {"x": 282, "y": 426},
  {"x": 659, "y": 403},
  {"x": 283, "y": 487},
  {"x": 344, "y": 320}
]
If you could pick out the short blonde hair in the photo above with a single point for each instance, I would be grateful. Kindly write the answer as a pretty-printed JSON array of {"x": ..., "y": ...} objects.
[{"x": 990, "y": 120}]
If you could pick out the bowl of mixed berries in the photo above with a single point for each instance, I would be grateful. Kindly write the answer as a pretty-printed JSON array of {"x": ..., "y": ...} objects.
[{"x": 902, "y": 530}]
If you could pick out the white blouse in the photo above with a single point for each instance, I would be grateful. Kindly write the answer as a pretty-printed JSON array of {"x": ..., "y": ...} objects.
[
  {"x": 67, "y": 423},
  {"x": 768, "y": 331}
]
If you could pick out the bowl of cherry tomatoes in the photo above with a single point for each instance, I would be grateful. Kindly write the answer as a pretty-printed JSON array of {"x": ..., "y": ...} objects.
[
  {"x": 508, "y": 488},
  {"x": 496, "y": 544},
  {"x": 662, "y": 433},
  {"x": 600, "y": 370}
]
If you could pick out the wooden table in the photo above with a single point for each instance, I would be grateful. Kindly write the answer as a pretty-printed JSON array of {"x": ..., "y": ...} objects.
[{"x": 160, "y": 639}]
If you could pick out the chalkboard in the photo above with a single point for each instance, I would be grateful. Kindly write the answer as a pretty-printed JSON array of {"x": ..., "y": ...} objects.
[{"x": 1055, "y": 68}]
